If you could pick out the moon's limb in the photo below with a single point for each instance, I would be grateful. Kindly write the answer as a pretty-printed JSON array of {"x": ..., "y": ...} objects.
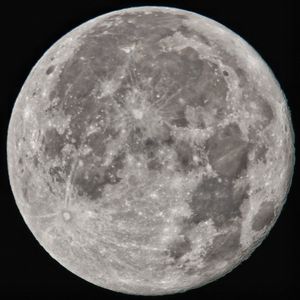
[{"x": 150, "y": 150}]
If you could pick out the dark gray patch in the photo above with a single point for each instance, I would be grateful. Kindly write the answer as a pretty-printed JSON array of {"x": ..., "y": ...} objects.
[
  {"x": 50, "y": 70},
  {"x": 151, "y": 147},
  {"x": 169, "y": 141},
  {"x": 52, "y": 95},
  {"x": 111, "y": 172},
  {"x": 57, "y": 174},
  {"x": 151, "y": 143},
  {"x": 135, "y": 141},
  {"x": 103, "y": 54},
  {"x": 267, "y": 112},
  {"x": 190, "y": 271},
  {"x": 185, "y": 66},
  {"x": 164, "y": 135},
  {"x": 68, "y": 76},
  {"x": 242, "y": 76},
  {"x": 50, "y": 188},
  {"x": 211, "y": 86},
  {"x": 179, "y": 119},
  {"x": 154, "y": 164},
  {"x": 25, "y": 192},
  {"x": 138, "y": 144},
  {"x": 227, "y": 152},
  {"x": 225, "y": 73},
  {"x": 76, "y": 97},
  {"x": 183, "y": 74},
  {"x": 21, "y": 165},
  {"x": 260, "y": 153},
  {"x": 252, "y": 135},
  {"x": 193, "y": 65},
  {"x": 25, "y": 187},
  {"x": 90, "y": 181},
  {"x": 92, "y": 177},
  {"x": 35, "y": 160},
  {"x": 286, "y": 128},
  {"x": 184, "y": 153},
  {"x": 173, "y": 64},
  {"x": 53, "y": 142},
  {"x": 96, "y": 141},
  {"x": 264, "y": 216},
  {"x": 216, "y": 200},
  {"x": 224, "y": 247},
  {"x": 180, "y": 247}
]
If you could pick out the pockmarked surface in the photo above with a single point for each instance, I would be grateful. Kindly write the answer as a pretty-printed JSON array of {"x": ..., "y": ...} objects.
[{"x": 150, "y": 150}]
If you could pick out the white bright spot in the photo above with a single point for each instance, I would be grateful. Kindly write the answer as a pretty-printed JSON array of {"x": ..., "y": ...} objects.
[
  {"x": 138, "y": 114},
  {"x": 66, "y": 215},
  {"x": 181, "y": 100},
  {"x": 154, "y": 196},
  {"x": 108, "y": 87},
  {"x": 27, "y": 113},
  {"x": 128, "y": 49},
  {"x": 208, "y": 168},
  {"x": 161, "y": 152},
  {"x": 196, "y": 158}
]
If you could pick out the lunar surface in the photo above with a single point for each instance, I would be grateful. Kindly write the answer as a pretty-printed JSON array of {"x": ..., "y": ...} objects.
[{"x": 150, "y": 150}]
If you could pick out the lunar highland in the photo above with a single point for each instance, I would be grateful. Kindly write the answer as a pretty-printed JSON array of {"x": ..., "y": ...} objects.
[{"x": 150, "y": 150}]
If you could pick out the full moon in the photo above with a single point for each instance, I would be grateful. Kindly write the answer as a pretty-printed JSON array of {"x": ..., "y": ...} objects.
[{"x": 150, "y": 150}]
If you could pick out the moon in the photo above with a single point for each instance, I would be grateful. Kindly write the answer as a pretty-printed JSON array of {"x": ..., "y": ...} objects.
[{"x": 150, "y": 150}]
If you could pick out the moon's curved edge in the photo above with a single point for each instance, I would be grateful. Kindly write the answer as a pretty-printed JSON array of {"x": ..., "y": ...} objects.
[{"x": 70, "y": 36}]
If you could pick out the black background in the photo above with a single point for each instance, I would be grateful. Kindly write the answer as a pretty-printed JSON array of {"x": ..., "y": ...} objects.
[{"x": 28, "y": 29}]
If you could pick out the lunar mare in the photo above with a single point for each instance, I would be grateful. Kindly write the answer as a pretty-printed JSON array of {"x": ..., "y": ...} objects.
[{"x": 150, "y": 150}]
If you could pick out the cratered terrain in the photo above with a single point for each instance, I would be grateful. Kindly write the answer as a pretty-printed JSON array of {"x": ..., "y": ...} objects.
[{"x": 150, "y": 150}]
